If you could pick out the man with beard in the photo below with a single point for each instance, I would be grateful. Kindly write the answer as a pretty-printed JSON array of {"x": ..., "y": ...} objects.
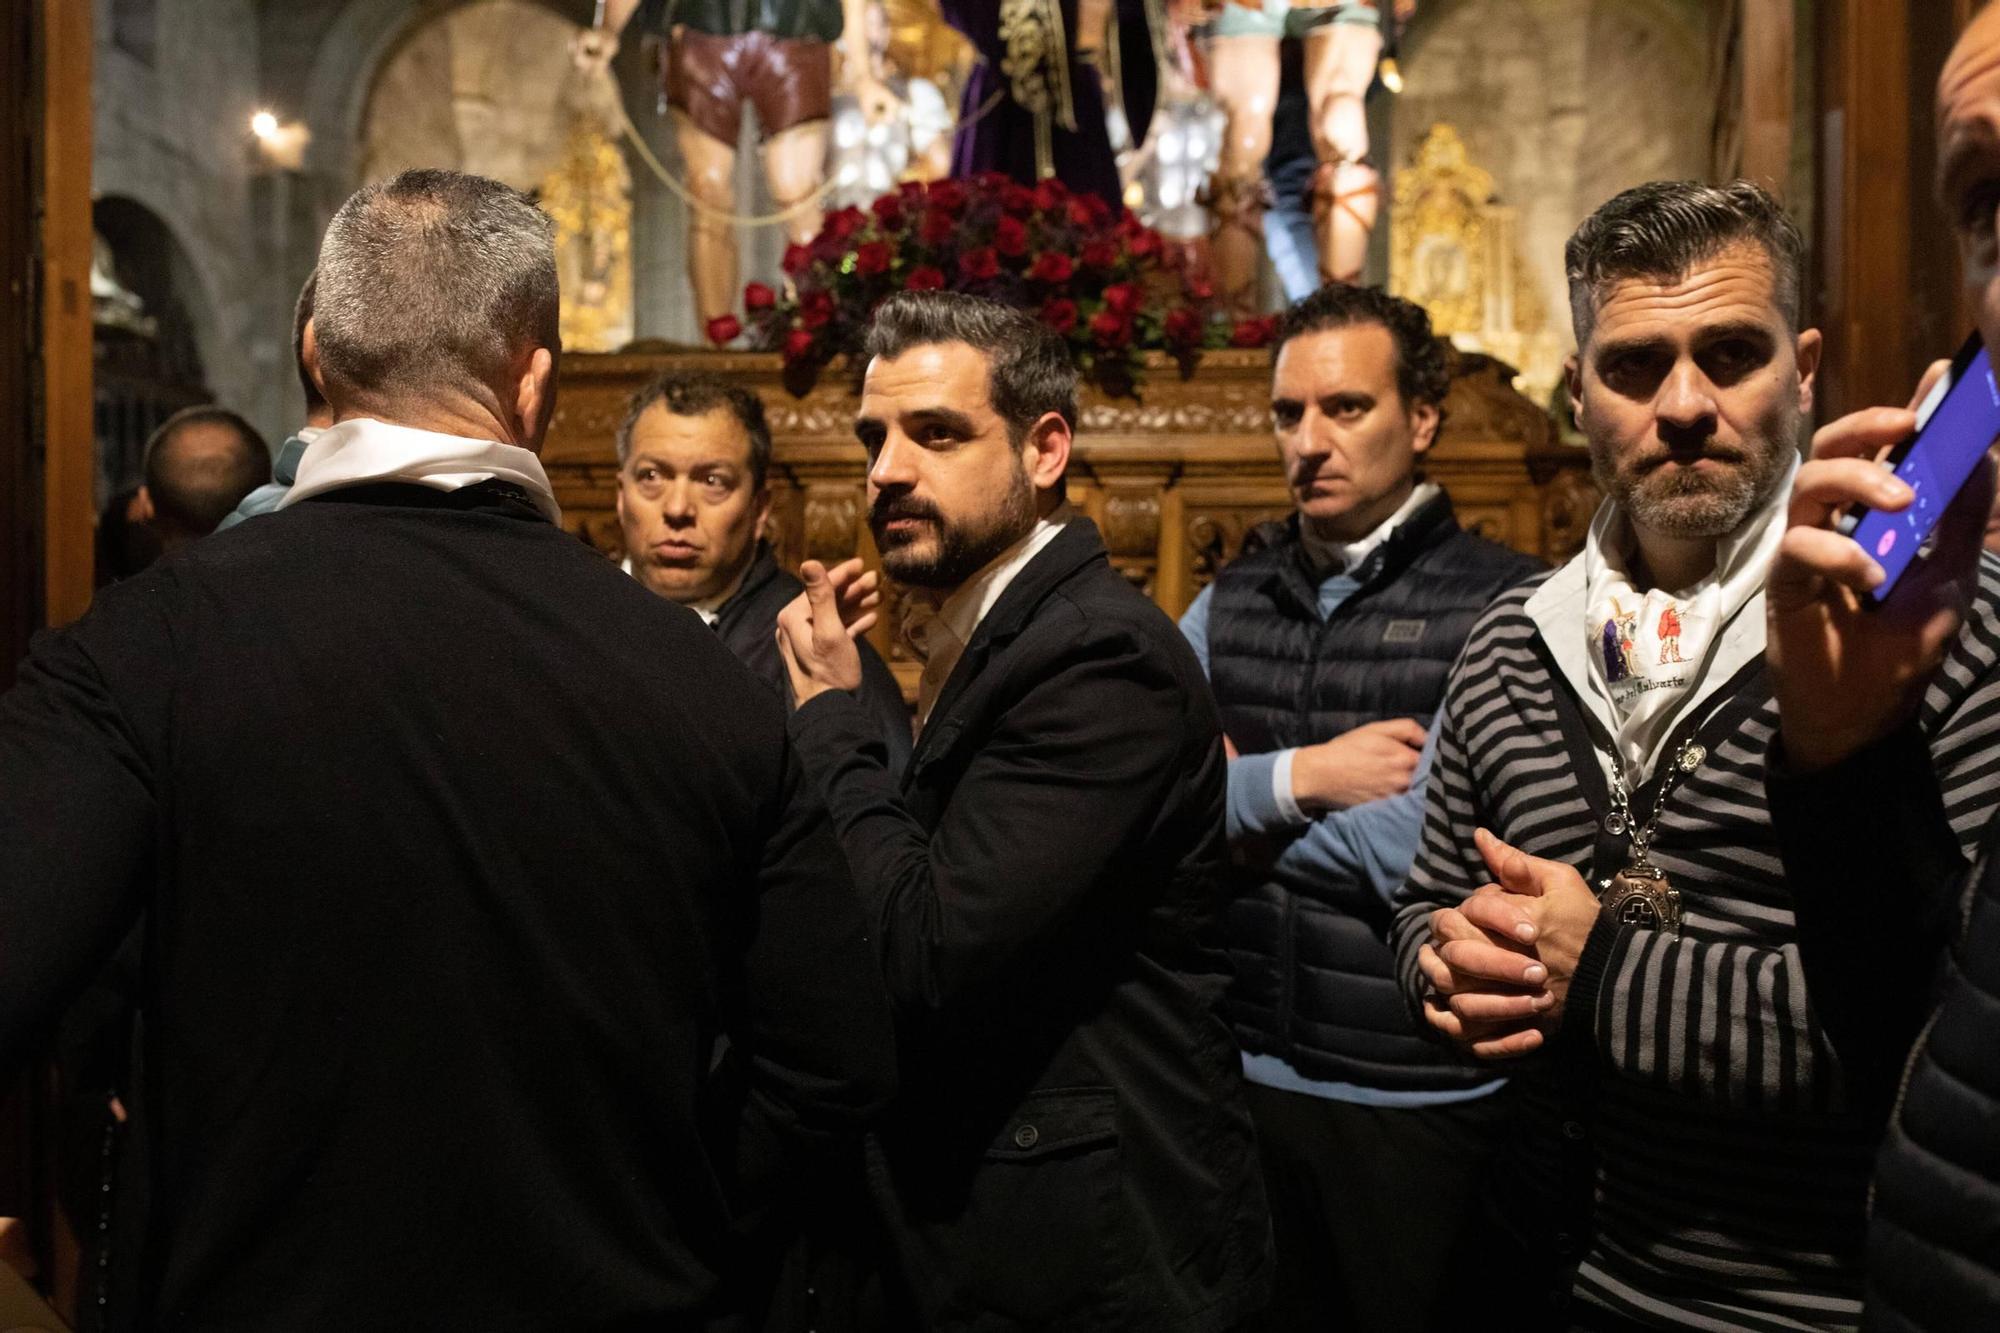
[
  {"x": 1698, "y": 1161},
  {"x": 1070, "y": 1149}
]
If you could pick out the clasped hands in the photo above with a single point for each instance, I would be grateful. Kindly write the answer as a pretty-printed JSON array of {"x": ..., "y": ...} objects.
[
  {"x": 1498, "y": 965},
  {"x": 817, "y": 629}
]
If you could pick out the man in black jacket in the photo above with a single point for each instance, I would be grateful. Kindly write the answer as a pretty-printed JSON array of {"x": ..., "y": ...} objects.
[
  {"x": 1071, "y": 1149},
  {"x": 694, "y": 457},
  {"x": 1903, "y": 960},
  {"x": 1327, "y": 643},
  {"x": 438, "y": 1035}
]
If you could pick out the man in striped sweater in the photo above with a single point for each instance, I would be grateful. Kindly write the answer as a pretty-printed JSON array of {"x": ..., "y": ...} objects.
[{"x": 1599, "y": 894}]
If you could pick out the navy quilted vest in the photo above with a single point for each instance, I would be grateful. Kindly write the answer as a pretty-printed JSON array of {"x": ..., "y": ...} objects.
[{"x": 1315, "y": 982}]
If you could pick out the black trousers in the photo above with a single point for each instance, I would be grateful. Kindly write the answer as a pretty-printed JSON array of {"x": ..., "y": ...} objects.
[{"x": 1367, "y": 1205}]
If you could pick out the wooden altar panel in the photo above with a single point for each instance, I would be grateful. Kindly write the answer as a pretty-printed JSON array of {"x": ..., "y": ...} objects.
[{"x": 1174, "y": 480}]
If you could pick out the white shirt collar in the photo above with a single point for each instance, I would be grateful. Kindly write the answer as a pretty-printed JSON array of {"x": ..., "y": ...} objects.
[
  {"x": 962, "y": 611},
  {"x": 1331, "y": 557},
  {"x": 364, "y": 450},
  {"x": 1560, "y": 609}
]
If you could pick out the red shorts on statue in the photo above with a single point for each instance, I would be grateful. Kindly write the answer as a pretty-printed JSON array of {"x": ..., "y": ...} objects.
[{"x": 789, "y": 80}]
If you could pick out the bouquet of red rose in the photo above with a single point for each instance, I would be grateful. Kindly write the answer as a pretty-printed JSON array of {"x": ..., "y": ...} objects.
[{"x": 1102, "y": 280}]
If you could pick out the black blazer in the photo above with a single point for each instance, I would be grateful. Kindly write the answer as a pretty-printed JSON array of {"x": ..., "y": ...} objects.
[
  {"x": 452, "y": 898},
  {"x": 1070, "y": 1149},
  {"x": 748, "y": 623}
]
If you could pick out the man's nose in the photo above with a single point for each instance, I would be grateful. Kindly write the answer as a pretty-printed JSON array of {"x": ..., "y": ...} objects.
[
  {"x": 1687, "y": 399},
  {"x": 892, "y": 466},
  {"x": 677, "y": 505}
]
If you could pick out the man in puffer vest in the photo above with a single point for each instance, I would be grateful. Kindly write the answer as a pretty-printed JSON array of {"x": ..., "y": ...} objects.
[{"x": 1327, "y": 644}]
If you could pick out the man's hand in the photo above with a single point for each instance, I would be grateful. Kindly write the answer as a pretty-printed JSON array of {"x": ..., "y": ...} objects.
[
  {"x": 1845, "y": 675},
  {"x": 1365, "y": 764},
  {"x": 1499, "y": 966},
  {"x": 817, "y": 629}
]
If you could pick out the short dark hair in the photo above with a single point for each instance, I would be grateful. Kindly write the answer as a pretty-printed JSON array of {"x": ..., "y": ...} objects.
[
  {"x": 688, "y": 393},
  {"x": 192, "y": 496},
  {"x": 302, "y": 315},
  {"x": 434, "y": 279},
  {"x": 1029, "y": 369},
  {"x": 1662, "y": 229},
  {"x": 1423, "y": 366}
]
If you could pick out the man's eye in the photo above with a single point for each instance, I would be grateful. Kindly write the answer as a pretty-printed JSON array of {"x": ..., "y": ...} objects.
[
  {"x": 1287, "y": 415},
  {"x": 1978, "y": 206}
]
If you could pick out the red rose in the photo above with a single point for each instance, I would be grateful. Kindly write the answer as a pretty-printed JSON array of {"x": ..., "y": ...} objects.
[
  {"x": 797, "y": 260},
  {"x": 758, "y": 297},
  {"x": 1010, "y": 237},
  {"x": 871, "y": 258},
  {"x": 1199, "y": 288},
  {"x": 1060, "y": 315},
  {"x": 815, "y": 309},
  {"x": 1049, "y": 195},
  {"x": 1017, "y": 200},
  {"x": 938, "y": 227},
  {"x": 1096, "y": 211},
  {"x": 948, "y": 195},
  {"x": 1250, "y": 333},
  {"x": 1099, "y": 254},
  {"x": 723, "y": 329},
  {"x": 979, "y": 264},
  {"x": 1144, "y": 244},
  {"x": 1121, "y": 298},
  {"x": 911, "y": 192},
  {"x": 924, "y": 278},
  {"x": 798, "y": 345},
  {"x": 1183, "y": 326},
  {"x": 989, "y": 181},
  {"x": 888, "y": 211},
  {"x": 841, "y": 225},
  {"x": 1079, "y": 213},
  {"x": 1110, "y": 330},
  {"x": 1051, "y": 267}
]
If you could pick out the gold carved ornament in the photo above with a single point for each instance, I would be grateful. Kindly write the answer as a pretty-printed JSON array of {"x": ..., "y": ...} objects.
[
  {"x": 589, "y": 197},
  {"x": 1437, "y": 253},
  {"x": 1037, "y": 66}
]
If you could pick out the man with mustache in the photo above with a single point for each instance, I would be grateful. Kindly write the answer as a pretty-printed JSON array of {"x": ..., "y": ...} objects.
[
  {"x": 1327, "y": 644},
  {"x": 694, "y": 454},
  {"x": 1070, "y": 1148},
  {"x": 1599, "y": 881}
]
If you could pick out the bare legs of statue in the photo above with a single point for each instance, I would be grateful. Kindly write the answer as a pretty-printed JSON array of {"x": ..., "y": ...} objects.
[
  {"x": 1347, "y": 192},
  {"x": 794, "y": 162},
  {"x": 1243, "y": 74}
]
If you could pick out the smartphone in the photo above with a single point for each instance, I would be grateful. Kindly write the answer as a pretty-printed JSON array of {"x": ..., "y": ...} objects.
[{"x": 1956, "y": 423}]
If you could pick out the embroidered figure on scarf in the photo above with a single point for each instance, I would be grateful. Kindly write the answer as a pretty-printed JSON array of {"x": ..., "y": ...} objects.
[
  {"x": 1670, "y": 635},
  {"x": 1617, "y": 643}
]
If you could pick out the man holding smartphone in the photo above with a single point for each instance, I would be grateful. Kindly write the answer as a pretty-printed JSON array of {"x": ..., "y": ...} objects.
[
  {"x": 1908, "y": 961},
  {"x": 1701, "y": 1161}
]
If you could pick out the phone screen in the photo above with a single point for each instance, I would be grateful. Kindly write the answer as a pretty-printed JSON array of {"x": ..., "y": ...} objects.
[{"x": 1955, "y": 426}]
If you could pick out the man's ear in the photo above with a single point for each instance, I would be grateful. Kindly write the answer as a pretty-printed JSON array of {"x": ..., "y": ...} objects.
[
  {"x": 535, "y": 399},
  {"x": 1424, "y": 421},
  {"x": 1048, "y": 449},
  {"x": 309, "y": 358},
  {"x": 763, "y": 503},
  {"x": 1810, "y": 346},
  {"x": 142, "y": 506},
  {"x": 1573, "y": 382}
]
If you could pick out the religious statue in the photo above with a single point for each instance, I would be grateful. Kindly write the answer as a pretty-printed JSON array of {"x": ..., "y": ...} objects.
[
  {"x": 1035, "y": 105},
  {"x": 717, "y": 57},
  {"x": 1343, "y": 45}
]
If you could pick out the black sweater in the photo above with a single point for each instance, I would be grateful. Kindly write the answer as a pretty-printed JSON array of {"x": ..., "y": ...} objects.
[{"x": 455, "y": 900}]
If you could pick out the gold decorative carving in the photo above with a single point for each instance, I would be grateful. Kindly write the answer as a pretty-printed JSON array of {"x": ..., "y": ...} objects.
[
  {"x": 833, "y": 521},
  {"x": 589, "y": 196},
  {"x": 1454, "y": 250}
]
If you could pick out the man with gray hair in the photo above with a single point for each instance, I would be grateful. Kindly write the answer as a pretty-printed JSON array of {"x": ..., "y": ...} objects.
[
  {"x": 499, "y": 959},
  {"x": 1599, "y": 882}
]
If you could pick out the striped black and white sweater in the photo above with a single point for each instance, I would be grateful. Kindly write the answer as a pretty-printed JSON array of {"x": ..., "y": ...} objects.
[{"x": 1687, "y": 1151}]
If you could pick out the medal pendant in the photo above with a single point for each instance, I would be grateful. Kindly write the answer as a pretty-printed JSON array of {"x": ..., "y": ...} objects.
[{"x": 1642, "y": 896}]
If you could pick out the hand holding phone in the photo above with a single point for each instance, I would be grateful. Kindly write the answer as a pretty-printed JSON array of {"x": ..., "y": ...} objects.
[{"x": 1847, "y": 668}]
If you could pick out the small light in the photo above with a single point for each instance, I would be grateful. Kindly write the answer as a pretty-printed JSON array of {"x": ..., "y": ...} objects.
[
  {"x": 264, "y": 125},
  {"x": 1391, "y": 75}
]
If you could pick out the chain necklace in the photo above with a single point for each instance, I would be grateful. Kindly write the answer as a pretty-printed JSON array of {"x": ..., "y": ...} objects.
[{"x": 1641, "y": 894}]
